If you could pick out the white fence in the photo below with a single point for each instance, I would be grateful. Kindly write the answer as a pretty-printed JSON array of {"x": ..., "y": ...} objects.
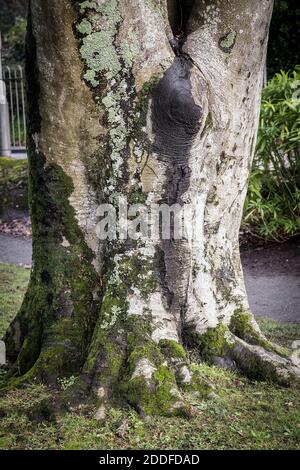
[
  {"x": 12, "y": 110},
  {"x": 15, "y": 93}
]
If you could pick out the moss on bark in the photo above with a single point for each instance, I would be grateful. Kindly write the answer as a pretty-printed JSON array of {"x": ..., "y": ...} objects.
[
  {"x": 59, "y": 312},
  {"x": 52, "y": 331},
  {"x": 241, "y": 324}
]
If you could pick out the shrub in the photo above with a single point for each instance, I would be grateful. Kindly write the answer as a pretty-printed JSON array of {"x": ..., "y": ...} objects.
[
  {"x": 272, "y": 208},
  {"x": 14, "y": 40}
]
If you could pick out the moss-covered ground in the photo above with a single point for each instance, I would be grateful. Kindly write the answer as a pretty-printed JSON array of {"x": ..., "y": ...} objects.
[{"x": 239, "y": 414}]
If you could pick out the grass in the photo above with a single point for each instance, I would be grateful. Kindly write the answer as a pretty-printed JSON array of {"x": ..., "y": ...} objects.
[
  {"x": 280, "y": 333},
  {"x": 240, "y": 414},
  {"x": 13, "y": 185},
  {"x": 13, "y": 284},
  {"x": 12, "y": 170}
]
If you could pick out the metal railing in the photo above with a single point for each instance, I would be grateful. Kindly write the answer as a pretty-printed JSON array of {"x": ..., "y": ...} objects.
[
  {"x": 12, "y": 109},
  {"x": 15, "y": 93}
]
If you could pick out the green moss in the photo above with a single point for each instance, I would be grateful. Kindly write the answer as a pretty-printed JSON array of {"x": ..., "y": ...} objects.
[
  {"x": 121, "y": 339},
  {"x": 117, "y": 335},
  {"x": 59, "y": 305},
  {"x": 266, "y": 416},
  {"x": 241, "y": 325},
  {"x": 58, "y": 313},
  {"x": 215, "y": 342},
  {"x": 198, "y": 384},
  {"x": 172, "y": 349},
  {"x": 208, "y": 124},
  {"x": 155, "y": 398},
  {"x": 51, "y": 364},
  {"x": 107, "y": 354},
  {"x": 158, "y": 394},
  {"x": 149, "y": 351}
]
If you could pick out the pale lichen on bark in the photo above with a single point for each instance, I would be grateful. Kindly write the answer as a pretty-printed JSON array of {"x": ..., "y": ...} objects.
[{"x": 106, "y": 59}]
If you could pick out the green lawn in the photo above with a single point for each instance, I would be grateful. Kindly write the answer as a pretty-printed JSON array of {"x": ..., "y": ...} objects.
[
  {"x": 13, "y": 283},
  {"x": 12, "y": 170},
  {"x": 238, "y": 415}
]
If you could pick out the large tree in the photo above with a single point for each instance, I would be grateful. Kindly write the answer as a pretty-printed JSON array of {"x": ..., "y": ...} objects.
[{"x": 157, "y": 101}]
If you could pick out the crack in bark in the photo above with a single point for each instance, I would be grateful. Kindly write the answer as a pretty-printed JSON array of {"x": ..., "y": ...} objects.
[{"x": 179, "y": 12}]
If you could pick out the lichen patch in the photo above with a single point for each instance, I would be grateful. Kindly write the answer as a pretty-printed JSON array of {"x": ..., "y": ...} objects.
[{"x": 227, "y": 42}]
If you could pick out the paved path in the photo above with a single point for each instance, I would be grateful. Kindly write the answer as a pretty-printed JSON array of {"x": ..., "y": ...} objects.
[
  {"x": 272, "y": 275},
  {"x": 15, "y": 250},
  {"x": 276, "y": 297}
]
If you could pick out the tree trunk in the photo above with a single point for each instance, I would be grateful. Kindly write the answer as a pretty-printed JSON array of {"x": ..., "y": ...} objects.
[{"x": 157, "y": 101}]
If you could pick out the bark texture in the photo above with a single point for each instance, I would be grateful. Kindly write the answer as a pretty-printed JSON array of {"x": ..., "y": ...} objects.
[{"x": 158, "y": 101}]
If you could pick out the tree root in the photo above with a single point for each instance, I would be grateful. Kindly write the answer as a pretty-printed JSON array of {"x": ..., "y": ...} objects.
[
  {"x": 247, "y": 350},
  {"x": 154, "y": 377},
  {"x": 156, "y": 384},
  {"x": 258, "y": 363},
  {"x": 162, "y": 389}
]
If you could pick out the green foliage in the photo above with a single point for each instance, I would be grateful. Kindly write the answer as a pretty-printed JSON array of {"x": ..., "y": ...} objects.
[
  {"x": 10, "y": 10},
  {"x": 14, "y": 41},
  {"x": 272, "y": 206},
  {"x": 66, "y": 382}
]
